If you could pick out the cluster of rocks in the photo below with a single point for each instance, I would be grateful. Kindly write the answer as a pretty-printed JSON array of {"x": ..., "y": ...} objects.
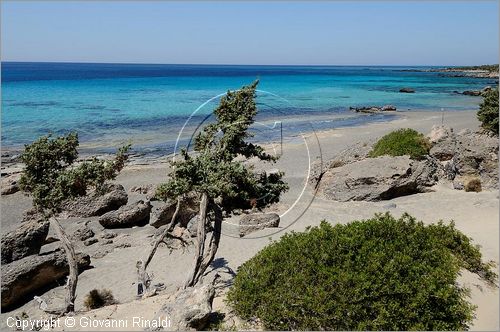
[
  {"x": 475, "y": 93},
  {"x": 373, "y": 109},
  {"x": 33, "y": 259},
  {"x": 468, "y": 159}
]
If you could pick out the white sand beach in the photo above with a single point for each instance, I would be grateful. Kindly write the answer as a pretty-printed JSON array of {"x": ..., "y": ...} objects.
[{"x": 475, "y": 214}]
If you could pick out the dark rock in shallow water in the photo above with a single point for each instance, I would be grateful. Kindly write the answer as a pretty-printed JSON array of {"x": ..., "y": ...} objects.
[
  {"x": 25, "y": 240},
  {"x": 475, "y": 93},
  {"x": 127, "y": 216},
  {"x": 256, "y": 221},
  {"x": 373, "y": 109},
  {"x": 407, "y": 90},
  {"x": 22, "y": 277},
  {"x": 96, "y": 204}
]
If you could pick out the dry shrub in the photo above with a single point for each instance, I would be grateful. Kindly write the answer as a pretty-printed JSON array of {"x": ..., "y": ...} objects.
[
  {"x": 99, "y": 298},
  {"x": 472, "y": 184}
]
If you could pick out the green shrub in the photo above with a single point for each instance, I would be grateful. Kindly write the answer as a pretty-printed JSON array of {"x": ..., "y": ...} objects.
[
  {"x": 98, "y": 298},
  {"x": 51, "y": 176},
  {"x": 377, "y": 274},
  {"x": 488, "y": 111},
  {"x": 402, "y": 142}
]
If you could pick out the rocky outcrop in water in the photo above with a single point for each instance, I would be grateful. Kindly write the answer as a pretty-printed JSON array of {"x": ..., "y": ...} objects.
[
  {"x": 407, "y": 90},
  {"x": 374, "y": 109}
]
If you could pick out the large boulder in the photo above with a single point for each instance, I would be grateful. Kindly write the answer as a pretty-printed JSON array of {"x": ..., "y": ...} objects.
[
  {"x": 162, "y": 214},
  {"x": 187, "y": 309},
  {"x": 135, "y": 214},
  {"x": 25, "y": 240},
  {"x": 22, "y": 277},
  {"x": 96, "y": 204},
  {"x": 381, "y": 178},
  {"x": 10, "y": 184},
  {"x": 253, "y": 222},
  {"x": 467, "y": 154}
]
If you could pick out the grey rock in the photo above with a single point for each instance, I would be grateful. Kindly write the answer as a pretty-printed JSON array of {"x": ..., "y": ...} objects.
[
  {"x": 373, "y": 109},
  {"x": 475, "y": 93},
  {"x": 458, "y": 185},
  {"x": 162, "y": 214},
  {"x": 389, "y": 206},
  {"x": 25, "y": 240},
  {"x": 127, "y": 216},
  {"x": 95, "y": 204},
  {"x": 108, "y": 235},
  {"x": 22, "y": 277},
  {"x": 82, "y": 234},
  {"x": 188, "y": 309},
  {"x": 192, "y": 226},
  {"x": 10, "y": 184},
  {"x": 255, "y": 221},
  {"x": 407, "y": 90},
  {"x": 90, "y": 242},
  {"x": 381, "y": 178},
  {"x": 469, "y": 153}
]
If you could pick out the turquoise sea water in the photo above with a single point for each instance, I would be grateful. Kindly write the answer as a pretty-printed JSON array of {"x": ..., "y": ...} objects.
[{"x": 109, "y": 104}]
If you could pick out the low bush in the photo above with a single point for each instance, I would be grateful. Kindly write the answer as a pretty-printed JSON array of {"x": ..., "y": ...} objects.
[
  {"x": 472, "y": 184},
  {"x": 402, "y": 142},
  {"x": 488, "y": 111},
  {"x": 377, "y": 274},
  {"x": 98, "y": 299}
]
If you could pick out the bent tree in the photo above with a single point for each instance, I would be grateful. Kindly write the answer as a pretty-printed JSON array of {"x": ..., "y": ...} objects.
[
  {"x": 50, "y": 176},
  {"x": 217, "y": 173}
]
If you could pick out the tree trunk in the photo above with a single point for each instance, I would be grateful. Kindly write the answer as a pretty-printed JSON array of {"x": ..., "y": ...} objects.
[
  {"x": 214, "y": 243},
  {"x": 142, "y": 276},
  {"x": 72, "y": 263},
  {"x": 200, "y": 242}
]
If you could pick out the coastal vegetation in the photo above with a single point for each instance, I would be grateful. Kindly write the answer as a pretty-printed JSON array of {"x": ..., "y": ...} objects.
[
  {"x": 98, "y": 298},
  {"x": 402, "y": 142},
  {"x": 51, "y": 177},
  {"x": 221, "y": 182},
  {"x": 377, "y": 274},
  {"x": 488, "y": 111},
  {"x": 489, "y": 68}
]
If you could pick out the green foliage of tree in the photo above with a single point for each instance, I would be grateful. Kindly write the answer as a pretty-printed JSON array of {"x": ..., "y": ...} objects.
[
  {"x": 402, "y": 142},
  {"x": 488, "y": 111},
  {"x": 216, "y": 170},
  {"x": 51, "y": 176},
  {"x": 377, "y": 274}
]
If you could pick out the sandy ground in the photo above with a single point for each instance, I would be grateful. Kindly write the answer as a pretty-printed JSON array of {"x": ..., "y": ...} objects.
[{"x": 476, "y": 214}]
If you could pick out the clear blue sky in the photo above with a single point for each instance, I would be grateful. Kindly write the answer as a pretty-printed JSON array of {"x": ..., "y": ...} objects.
[{"x": 359, "y": 33}]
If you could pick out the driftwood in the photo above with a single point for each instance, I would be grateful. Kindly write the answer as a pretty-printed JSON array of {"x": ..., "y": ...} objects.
[
  {"x": 72, "y": 280},
  {"x": 143, "y": 278}
]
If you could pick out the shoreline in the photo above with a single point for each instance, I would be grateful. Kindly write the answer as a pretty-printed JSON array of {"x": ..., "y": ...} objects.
[{"x": 475, "y": 214}]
